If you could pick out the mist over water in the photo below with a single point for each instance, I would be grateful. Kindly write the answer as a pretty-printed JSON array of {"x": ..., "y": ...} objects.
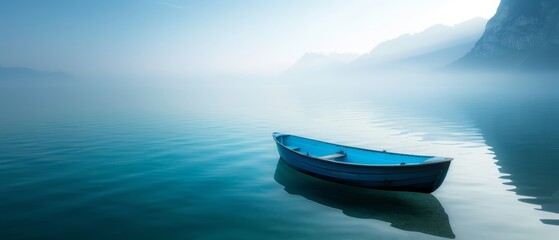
[
  {"x": 153, "y": 119},
  {"x": 194, "y": 158}
]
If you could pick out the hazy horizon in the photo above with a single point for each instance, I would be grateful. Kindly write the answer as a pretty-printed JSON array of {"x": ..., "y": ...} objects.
[
  {"x": 154, "y": 119},
  {"x": 189, "y": 38}
]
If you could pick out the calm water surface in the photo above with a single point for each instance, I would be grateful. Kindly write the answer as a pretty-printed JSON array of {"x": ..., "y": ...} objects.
[{"x": 198, "y": 162}]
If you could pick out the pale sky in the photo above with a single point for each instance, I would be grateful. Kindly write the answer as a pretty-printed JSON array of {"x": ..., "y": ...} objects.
[{"x": 185, "y": 38}]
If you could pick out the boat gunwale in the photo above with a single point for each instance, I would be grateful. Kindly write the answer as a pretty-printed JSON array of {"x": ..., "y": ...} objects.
[{"x": 430, "y": 161}]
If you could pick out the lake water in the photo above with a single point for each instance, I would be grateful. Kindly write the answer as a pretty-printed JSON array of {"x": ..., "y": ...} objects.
[{"x": 197, "y": 161}]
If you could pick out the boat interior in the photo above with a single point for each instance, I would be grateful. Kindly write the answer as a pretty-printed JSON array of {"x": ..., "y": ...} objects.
[{"x": 334, "y": 152}]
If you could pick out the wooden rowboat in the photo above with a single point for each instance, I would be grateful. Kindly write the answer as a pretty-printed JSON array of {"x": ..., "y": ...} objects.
[{"x": 362, "y": 167}]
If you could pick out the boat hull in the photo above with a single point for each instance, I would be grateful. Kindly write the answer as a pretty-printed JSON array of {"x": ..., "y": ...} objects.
[{"x": 424, "y": 178}]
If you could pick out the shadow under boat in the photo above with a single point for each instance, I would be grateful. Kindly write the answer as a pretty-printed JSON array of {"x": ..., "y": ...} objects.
[{"x": 404, "y": 210}]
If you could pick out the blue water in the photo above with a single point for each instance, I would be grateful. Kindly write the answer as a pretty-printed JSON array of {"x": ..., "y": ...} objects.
[{"x": 197, "y": 161}]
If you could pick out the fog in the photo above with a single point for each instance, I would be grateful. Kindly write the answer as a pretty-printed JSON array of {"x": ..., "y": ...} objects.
[
  {"x": 163, "y": 39},
  {"x": 201, "y": 76}
]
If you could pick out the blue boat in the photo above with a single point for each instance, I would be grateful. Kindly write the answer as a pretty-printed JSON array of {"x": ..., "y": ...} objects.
[{"x": 361, "y": 167}]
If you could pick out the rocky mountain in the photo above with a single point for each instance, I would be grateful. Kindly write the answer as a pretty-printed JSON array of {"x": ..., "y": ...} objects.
[
  {"x": 433, "y": 48},
  {"x": 523, "y": 34}
]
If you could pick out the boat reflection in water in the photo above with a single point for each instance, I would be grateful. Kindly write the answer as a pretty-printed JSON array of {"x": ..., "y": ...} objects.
[{"x": 404, "y": 210}]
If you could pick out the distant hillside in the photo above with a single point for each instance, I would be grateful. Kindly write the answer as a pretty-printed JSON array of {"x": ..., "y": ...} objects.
[
  {"x": 21, "y": 73},
  {"x": 522, "y": 35},
  {"x": 433, "y": 48}
]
